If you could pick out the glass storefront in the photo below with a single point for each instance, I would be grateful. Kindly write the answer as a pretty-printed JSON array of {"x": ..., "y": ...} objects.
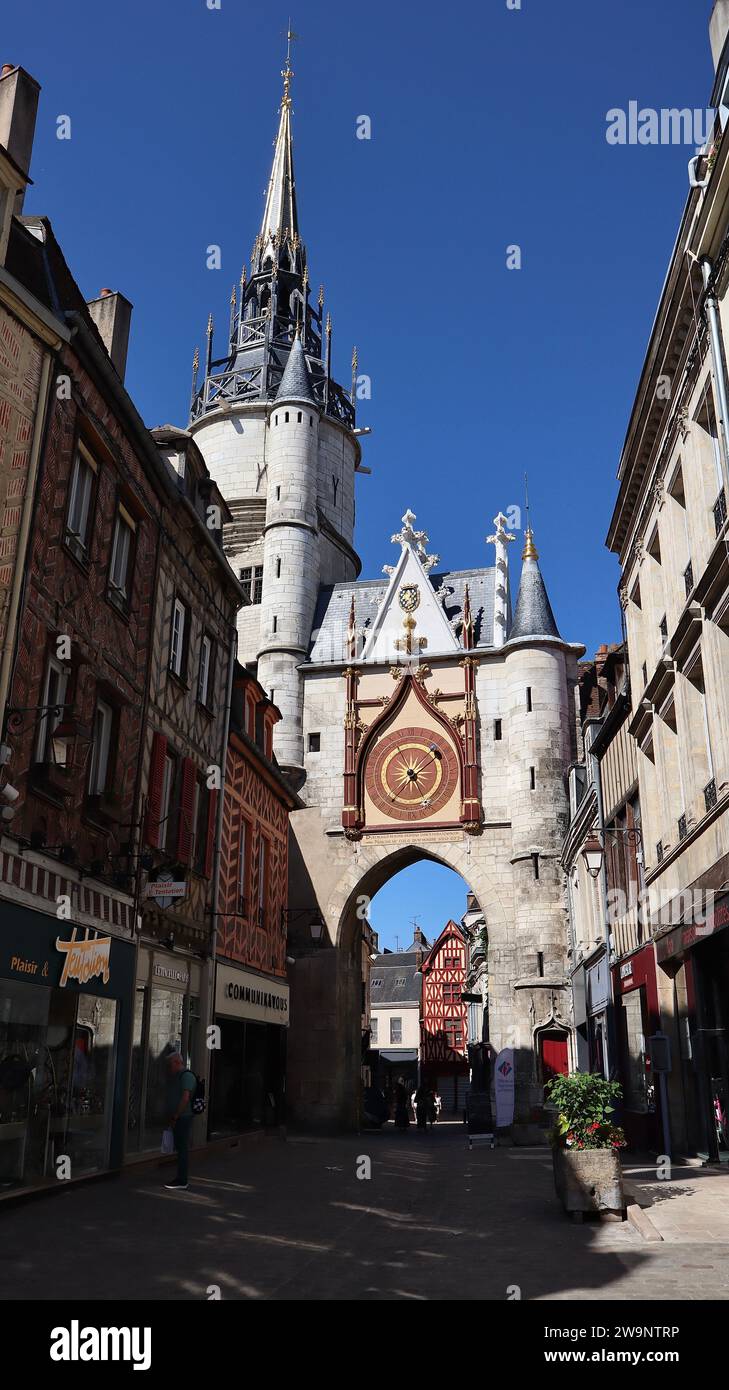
[
  {"x": 61, "y": 1050},
  {"x": 166, "y": 1020},
  {"x": 249, "y": 1067}
]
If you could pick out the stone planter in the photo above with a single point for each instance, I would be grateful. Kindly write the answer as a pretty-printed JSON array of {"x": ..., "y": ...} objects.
[{"x": 588, "y": 1180}]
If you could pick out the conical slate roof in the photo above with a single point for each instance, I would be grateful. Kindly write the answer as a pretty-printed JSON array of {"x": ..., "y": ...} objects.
[
  {"x": 295, "y": 383},
  {"x": 533, "y": 616}
]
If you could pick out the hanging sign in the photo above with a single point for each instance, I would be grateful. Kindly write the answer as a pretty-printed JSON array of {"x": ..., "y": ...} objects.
[
  {"x": 504, "y": 1078},
  {"x": 165, "y": 889}
]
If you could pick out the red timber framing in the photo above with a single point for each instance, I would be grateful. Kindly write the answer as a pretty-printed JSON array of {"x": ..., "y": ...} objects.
[{"x": 444, "y": 1015}]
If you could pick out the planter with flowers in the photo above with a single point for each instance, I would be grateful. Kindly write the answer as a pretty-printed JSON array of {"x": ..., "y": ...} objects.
[{"x": 586, "y": 1144}]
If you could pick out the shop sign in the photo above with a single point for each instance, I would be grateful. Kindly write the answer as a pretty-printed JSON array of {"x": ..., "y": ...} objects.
[
  {"x": 626, "y": 970},
  {"x": 165, "y": 889},
  {"x": 675, "y": 942},
  {"x": 84, "y": 959},
  {"x": 178, "y": 973},
  {"x": 504, "y": 1079},
  {"x": 241, "y": 994}
]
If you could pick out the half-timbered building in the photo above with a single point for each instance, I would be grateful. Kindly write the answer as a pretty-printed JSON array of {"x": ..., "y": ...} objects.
[
  {"x": 444, "y": 1019},
  {"x": 196, "y": 597},
  {"x": 251, "y": 990}
]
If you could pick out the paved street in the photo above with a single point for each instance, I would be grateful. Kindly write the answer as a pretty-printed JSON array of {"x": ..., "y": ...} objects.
[{"x": 290, "y": 1220}]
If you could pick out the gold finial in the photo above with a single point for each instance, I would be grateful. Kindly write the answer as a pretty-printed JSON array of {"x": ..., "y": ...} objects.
[
  {"x": 243, "y": 276},
  {"x": 321, "y": 296},
  {"x": 329, "y": 325},
  {"x": 195, "y": 360},
  {"x": 287, "y": 72},
  {"x": 530, "y": 551}
]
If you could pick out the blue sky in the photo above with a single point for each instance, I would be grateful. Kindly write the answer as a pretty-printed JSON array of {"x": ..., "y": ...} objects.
[{"x": 488, "y": 130}]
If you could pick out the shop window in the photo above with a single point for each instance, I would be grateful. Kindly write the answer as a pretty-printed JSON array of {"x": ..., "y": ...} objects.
[{"x": 638, "y": 1092}]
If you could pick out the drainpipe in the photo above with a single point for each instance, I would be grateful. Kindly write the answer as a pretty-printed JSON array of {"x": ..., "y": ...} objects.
[
  {"x": 217, "y": 856},
  {"x": 717, "y": 358}
]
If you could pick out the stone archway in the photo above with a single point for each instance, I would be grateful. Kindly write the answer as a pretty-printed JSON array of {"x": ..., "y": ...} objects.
[{"x": 325, "y": 1039}]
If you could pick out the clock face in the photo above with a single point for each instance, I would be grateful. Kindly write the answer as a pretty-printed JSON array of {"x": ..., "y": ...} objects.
[{"x": 411, "y": 774}]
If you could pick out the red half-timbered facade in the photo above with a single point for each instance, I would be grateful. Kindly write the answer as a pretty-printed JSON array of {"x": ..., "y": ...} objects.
[
  {"x": 444, "y": 1018},
  {"x": 254, "y": 855}
]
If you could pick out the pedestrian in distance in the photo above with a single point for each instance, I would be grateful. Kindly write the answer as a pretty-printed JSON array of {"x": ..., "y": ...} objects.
[
  {"x": 184, "y": 1086},
  {"x": 402, "y": 1119},
  {"x": 422, "y": 1098}
]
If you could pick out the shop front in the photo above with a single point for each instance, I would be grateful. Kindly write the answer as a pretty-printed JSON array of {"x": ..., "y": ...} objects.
[
  {"x": 637, "y": 1017},
  {"x": 701, "y": 949},
  {"x": 597, "y": 1003},
  {"x": 249, "y": 1067},
  {"x": 167, "y": 1018},
  {"x": 65, "y": 1021}
]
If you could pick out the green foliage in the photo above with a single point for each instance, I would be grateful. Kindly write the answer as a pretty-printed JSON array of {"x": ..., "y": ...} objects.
[{"x": 584, "y": 1105}]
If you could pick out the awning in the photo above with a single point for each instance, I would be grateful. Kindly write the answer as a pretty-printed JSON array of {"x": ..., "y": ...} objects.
[{"x": 406, "y": 1054}]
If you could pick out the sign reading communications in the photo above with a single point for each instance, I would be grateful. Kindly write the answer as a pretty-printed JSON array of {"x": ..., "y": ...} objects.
[{"x": 669, "y": 126}]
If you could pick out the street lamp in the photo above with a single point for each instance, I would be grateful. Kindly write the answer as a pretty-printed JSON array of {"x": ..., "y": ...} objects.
[
  {"x": 593, "y": 850},
  {"x": 295, "y": 914}
]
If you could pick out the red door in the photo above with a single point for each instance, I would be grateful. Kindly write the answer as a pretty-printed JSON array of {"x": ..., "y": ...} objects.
[{"x": 554, "y": 1055}]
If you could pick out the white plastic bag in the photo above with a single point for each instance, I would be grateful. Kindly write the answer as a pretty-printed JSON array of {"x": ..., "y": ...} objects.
[{"x": 168, "y": 1141}]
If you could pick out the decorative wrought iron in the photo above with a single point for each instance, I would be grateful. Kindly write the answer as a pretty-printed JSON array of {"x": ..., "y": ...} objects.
[
  {"x": 682, "y": 827},
  {"x": 659, "y": 852},
  {"x": 688, "y": 579},
  {"x": 720, "y": 511},
  {"x": 710, "y": 794}
]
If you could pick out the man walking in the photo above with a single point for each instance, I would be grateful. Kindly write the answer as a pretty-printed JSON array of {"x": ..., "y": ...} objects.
[{"x": 184, "y": 1085}]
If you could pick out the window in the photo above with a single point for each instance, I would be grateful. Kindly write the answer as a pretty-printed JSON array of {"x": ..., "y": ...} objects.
[
  {"x": 314, "y": 743},
  {"x": 101, "y": 749},
  {"x": 454, "y": 1033},
  {"x": 262, "y": 879},
  {"x": 450, "y": 962},
  {"x": 451, "y": 994},
  {"x": 400, "y": 982},
  {"x": 373, "y": 1030},
  {"x": 205, "y": 674},
  {"x": 278, "y": 567},
  {"x": 395, "y": 1030},
  {"x": 275, "y": 623},
  {"x": 535, "y": 865},
  {"x": 169, "y": 777},
  {"x": 278, "y": 488},
  {"x": 497, "y": 730},
  {"x": 242, "y": 865},
  {"x": 80, "y": 503},
  {"x": 529, "y": 699},
  {"x": 540, "y": 963},
  {"x": 178, "y": 638},
  {"x": 251, "y": 579},
  {"x": 121, "y": 559},
  {"x": 53, "y": 698},
  {"x": 532, "y": 779}
]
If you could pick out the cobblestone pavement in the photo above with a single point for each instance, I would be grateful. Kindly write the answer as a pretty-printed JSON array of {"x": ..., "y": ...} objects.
[
  {"x": 691, "y": 1207},
  {"x": 275, "y": 1219}
]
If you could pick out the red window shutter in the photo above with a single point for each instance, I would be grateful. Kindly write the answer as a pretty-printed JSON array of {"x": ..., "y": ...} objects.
[
  {"x": 185, "y": 827},
  {"x": 210, "y": 846},
  {"x": 154, "y": 795}
]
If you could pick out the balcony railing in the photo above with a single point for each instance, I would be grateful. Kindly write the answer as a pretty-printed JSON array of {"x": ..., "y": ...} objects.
[
  {"x": 688, "y": 579},
  {"x": 720, "y": 511},
  {"x": 682, "y": 827},
  {"x": 710, "y": 796},
  {"x": 659, "y": 852}
]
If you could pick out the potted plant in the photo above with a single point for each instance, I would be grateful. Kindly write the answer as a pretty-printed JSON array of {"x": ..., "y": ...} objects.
[{"x": 586, "y": 1144}]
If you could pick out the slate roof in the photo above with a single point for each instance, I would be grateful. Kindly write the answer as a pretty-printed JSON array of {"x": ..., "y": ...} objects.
[
  {"x": 389, "y": 992},
  {"x": 295, "y": 383},
  {"x": 533, "y": 616},
  {"x": 332, "y": 611}
]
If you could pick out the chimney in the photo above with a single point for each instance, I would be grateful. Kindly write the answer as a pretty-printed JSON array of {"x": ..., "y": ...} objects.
[
  {"x": 18, "y": 109},
  {"x": 718, "y": 29},
  {"x": 112, "y": 314}
]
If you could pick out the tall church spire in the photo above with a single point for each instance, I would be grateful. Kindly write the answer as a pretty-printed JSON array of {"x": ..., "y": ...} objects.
[
  {"x": 279, "y": 214},
  {"x": 274, "y": 309}
]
